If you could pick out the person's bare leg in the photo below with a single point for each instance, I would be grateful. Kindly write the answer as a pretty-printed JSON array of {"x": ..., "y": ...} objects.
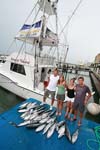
[
  {"x": 57, "y": 107},
  {"x": 52, "y": 101},
  {"x": 60, "y": 107},
  {"x": 75, "y": 115},
  {"x": 80, "y": 120},
  {"x": 71, "y": 110},
  {"x": 44, "y": 99},
  {"x": 67, "y": 109}
]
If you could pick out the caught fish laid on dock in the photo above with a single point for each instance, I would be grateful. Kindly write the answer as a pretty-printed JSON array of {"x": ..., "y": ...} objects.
[
  {"x": 47, "y": 127},
  {"x": 41, "y": 127},
  {"x": 75, "y": 136},
  {"x": 33, "y": 125},
  {"x": 40, "y": 118},
  {"x": 44, "y": 120},
  {"x": 51, "y": 130},
  {"x": 61, "y": 131},
  {"x": 60, "y": 124},
  {"x": 67, "y": 133},
  {"x": 24, "y": 123},
  {"x": 51, "y": 119},
  {"x": 23, "y": 105}
]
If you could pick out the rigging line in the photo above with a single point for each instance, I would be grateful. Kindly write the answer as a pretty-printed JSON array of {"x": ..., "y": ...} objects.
[
  {"x": 19, "y": 52},
  {"x": 50, "y": 49},
  {"x": 69, "y": 19},
  {"x": 65, "y": 37},
  {"x": 10, "y": 45},
  {"x": 56, "y": 16},
  {"x": 53, "y": 52},
  {"x": 63, "y": 31},
  {"x": 31, "y": 12}
]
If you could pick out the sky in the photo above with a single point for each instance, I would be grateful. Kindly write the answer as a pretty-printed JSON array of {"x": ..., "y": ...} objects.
[{"x": 83, "y": 31}]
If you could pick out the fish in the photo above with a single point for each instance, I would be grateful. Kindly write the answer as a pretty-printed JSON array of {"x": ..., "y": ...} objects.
[
  {"x": 22, "y": 110},
  {"x": 52, "y": 113},
  {"x": 33, "y": 125},
  {"x": 33, "y": 115},
  {"x": 60, "y": 135},
  {"x": 61, "y": 131},
  {"x": 24, "y": 114},
  {"x": 34, "y": 121},
  {"x": 67, "y": 133},
  {"x": 38, "y": 118},
  {"x": 44, "y": 120},
  {"x": 48, "y": 111},
  {"x": 27, "y": 117},
  {"x": 47, "y": 127},
  {"x": 23, "y": 105},
  {"x": 31, "y": 111},
  {"x": 39, "y": 107},
  {"x": 31, "y": 105},
  {"x": 41, "y": 127},
  {"x": 24, "y": 123},
  {"x": 51, "y": 120},
  {"x": 60, "y": 124},
  {"x": 40, "y": 112},
  {"x": 44, "y": 115},
  {"x": 75, "y": 136},
  {"x": 51, "y": 130}
]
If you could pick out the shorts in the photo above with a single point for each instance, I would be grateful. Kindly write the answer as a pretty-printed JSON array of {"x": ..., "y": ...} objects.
[
  {"x": 60, "y": 97},
  {"x": 45, "y": 84},
  {"x": 48, "y": 92},
  {"x": 68, "y": 99},
  {"x": 79, "y": 106}
]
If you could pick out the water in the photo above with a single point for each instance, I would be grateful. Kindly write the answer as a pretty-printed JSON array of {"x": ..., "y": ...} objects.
[{"x": 8, "y": 99}]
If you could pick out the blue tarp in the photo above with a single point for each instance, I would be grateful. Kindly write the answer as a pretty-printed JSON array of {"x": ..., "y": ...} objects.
[{"x": 13, "y": 138}]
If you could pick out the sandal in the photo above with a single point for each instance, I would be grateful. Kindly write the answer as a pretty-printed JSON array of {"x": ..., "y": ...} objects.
[
  {"x": 73, "y": 119},
  {"x": 59, "y": 113}
]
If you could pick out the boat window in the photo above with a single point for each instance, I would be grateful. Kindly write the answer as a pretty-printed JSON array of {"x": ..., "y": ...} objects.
[{"x": 17, "y": 68}]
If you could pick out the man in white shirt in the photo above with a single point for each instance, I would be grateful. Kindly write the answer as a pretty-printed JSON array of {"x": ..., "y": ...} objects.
[{"x": 51, "y": 88}]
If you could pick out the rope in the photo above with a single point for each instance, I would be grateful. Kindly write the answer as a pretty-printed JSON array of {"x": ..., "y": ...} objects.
[{"x": 97, "y": 133}]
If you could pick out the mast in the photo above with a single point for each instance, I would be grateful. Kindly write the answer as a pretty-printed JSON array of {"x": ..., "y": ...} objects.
[
  {"x": 39, "y": 42},
  {"x": 57, "y": 32}
]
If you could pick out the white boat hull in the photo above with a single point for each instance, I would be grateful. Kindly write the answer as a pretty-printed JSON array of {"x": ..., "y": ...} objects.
[{"x": 13, "y": 87}]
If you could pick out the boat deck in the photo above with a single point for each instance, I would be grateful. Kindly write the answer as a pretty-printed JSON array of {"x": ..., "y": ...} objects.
[{"x": 14, "y": 138}]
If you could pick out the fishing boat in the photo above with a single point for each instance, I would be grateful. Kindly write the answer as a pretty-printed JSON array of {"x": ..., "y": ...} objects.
[{"x": 24, "y": 70}]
